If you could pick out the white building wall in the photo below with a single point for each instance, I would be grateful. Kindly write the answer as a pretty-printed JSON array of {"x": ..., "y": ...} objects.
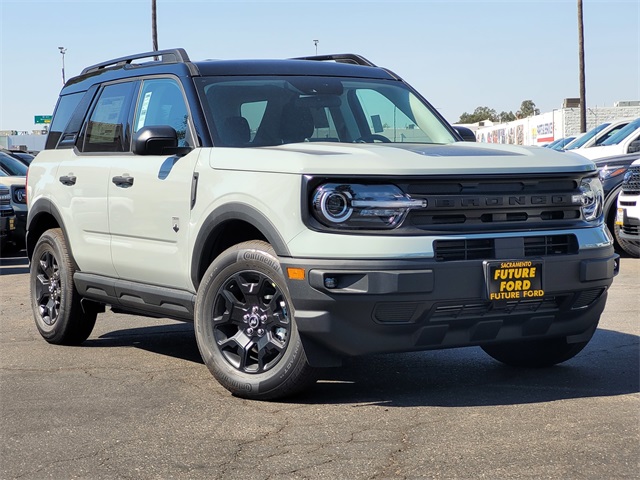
[{"x": 550, "y": 126}]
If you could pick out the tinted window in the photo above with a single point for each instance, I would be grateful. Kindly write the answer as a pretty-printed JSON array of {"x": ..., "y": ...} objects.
[
  {"x": 13, "y": 166},
  {"x": 622, "y": 133},
  {"x": 107, "y": 129},
  {"x": 65, "y": 108},
  {"x": 162, "y": 103},
  {"x": 250, "y": 111}
]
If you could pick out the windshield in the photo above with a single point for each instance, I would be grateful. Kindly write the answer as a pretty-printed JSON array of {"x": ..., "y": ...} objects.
[
  {"x": 13, "y": 166},
  {"x": 622, "y": 133},
  {"x": 580, "y": 141},
  {"x": 266, "y": 111}
]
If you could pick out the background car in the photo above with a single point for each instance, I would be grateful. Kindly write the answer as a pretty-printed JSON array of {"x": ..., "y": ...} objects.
[
  {"x": 24, "y": 157},
  {"x": 626, "y": 140},
  {"x": 13, "y": 177},
  {"x": 563, "y": 142},
  {"x": 7, "y": 215},
  {"x": 599, "y": 134},
  {"x": 612, "y": 171}
]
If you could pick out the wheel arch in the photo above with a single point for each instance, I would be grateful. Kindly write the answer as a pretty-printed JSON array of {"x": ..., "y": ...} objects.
[
  {"x": 611, "y": 205},
  {"x": 229, "y": 225},
  {"x": 42, "y": 216}
]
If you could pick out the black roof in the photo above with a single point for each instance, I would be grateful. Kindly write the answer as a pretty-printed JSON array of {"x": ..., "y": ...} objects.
[{"x": 177, "y": 62}]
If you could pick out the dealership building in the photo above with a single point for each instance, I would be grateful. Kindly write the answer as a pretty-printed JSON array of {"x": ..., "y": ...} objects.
[{"x": 547, "y": 127}]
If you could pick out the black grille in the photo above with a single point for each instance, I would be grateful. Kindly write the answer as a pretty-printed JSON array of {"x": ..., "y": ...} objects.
[
  {"x": 458, "y": 204},
  {"x": 484, "y": 249},
  {"x": 633, "y": 230},
  {"x": 631, "y": 184},
  {"x": 512, "y": 307},
  {"x": 587, "y": 297}
]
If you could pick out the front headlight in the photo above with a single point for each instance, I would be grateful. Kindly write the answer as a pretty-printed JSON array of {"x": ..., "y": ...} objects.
[
  {"x": 356, "y": 206},
  {"x": 607, "y": 172},
  {"x": 591, "y": 198}
]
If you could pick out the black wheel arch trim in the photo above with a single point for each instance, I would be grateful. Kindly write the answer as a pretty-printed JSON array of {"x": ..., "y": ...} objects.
[
  {"x": 229, "y": 212},
  {"x": 40, "y": 207}
]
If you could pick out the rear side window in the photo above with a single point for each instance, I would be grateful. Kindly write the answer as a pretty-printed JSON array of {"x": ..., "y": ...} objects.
[
  {"x": 65, "y": 108},
  {"x": 107, "y": 129}
]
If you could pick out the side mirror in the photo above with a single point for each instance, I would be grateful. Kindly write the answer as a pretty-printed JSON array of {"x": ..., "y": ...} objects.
[
  {"x": 634, "y": 147},
  {"x": 155, "y": 140},
  {"x": 466, "y": 133}
]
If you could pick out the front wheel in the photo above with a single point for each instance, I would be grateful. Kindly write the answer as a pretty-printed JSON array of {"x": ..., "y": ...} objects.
[
  {"x": 55, "y": 302},
  {"x": 245, "y": 328},
  {"x": 535, "y": 353}
]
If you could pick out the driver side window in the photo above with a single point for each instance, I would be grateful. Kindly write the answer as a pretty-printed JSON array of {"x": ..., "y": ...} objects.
[{"x": 161, "y": 102}]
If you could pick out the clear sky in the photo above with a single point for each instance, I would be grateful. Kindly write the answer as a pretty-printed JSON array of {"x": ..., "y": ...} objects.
[{"x": 458, "y": 54}]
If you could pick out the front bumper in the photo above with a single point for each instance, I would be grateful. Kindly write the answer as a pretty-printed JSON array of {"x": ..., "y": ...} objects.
[{"x": 360, "y": 307}]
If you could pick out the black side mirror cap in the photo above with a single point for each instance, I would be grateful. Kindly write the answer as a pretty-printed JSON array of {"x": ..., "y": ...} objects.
[
  {"x": 466, "y": 133},
  {"x": 157, "y": 140}
]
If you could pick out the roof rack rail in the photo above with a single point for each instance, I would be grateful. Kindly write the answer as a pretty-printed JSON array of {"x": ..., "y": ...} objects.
[
  {"x": 175, "y": 55},
  {"x": 340, "y": 58}
]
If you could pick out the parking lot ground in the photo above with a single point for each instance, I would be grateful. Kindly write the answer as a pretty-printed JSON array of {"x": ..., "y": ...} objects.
[{"x": 136, "y": 402}]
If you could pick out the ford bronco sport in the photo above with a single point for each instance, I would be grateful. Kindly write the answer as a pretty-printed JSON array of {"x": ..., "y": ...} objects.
[{"x": 303, "y": 211}]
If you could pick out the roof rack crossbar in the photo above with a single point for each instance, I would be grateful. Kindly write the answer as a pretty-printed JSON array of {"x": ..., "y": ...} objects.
[
  {"x": 340, "y": 58},
  {"x": 175, "y": 55}
]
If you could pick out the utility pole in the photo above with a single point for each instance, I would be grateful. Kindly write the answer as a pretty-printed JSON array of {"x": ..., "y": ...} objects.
[
  {"x": 315, "y": 42},
  {"x": 583, "y": 95},
  {"x": 154, "y": 26}
]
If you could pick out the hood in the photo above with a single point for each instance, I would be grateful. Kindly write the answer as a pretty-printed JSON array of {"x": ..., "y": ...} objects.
[
  {"x": 13, "y": 180},
  {"x": 327, "y": 158}
]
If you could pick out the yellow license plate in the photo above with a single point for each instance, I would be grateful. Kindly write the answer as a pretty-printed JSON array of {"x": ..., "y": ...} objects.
[
  {"x": 620, "y": 216},
  {"x": 513, "y": 279}
]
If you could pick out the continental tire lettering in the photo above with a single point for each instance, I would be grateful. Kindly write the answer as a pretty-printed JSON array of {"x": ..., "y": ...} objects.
[
  {"x": 286, "y": 369},
  {"x": 259, "y": 256},
  {"x": 247, "y": 387}
]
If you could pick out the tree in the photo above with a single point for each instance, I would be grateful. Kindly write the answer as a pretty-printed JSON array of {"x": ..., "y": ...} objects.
[
  {"x": 478, "y": 115},
  {"x": 506, "y": 117},
  {"x": 527, "y": 109}
]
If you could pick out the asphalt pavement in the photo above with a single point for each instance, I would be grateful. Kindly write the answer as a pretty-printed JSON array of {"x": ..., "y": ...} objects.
[{"x": 135, "y": 401}]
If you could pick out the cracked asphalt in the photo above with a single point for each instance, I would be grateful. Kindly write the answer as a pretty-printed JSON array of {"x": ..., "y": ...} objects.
[{"x": 136, "y": 402}]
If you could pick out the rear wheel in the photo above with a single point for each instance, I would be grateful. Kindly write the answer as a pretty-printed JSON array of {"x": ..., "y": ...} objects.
[
  {"x": 535, "y": 353},
  {"x": 55, "y": 302},
  {"x": 245, "y": 327}
]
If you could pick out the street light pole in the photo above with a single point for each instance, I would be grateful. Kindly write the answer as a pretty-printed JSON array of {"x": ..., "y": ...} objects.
[
  {"x": 315, "y": 42},
  {"x": 63, "y": 51}
]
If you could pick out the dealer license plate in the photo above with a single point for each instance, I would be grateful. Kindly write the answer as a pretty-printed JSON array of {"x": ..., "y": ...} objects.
[
  {"x": 513, "y": 279},
  {"x": 620, "y": 216}
]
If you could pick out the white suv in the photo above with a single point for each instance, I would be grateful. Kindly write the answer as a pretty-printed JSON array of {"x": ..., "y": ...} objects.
[
  {"x": 302, "y": 211},
  {"x": 628, "y": 217}
]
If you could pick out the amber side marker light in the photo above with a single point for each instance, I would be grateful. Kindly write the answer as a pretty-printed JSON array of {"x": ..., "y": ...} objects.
[{"x": 295, "y": 273}]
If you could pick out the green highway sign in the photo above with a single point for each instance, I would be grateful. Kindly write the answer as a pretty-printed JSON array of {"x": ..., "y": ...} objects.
[{"x": 42, "y": 119}]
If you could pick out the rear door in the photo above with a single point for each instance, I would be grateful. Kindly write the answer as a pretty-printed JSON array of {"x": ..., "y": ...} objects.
[{"x": 82, "y": 175}]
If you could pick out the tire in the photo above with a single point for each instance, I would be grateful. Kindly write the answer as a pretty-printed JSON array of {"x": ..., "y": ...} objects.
[
  {"x": 55, "y": 302},
  {"x": 535, "y": 353},
  {"x": 628, "y": 247},
  {"x": 245, "y": 328}
]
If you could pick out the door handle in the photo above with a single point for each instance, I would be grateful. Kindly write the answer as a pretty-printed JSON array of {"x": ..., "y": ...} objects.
[
  {"x": 68, "y": 180},
  {"x": 123, "y": 181}
]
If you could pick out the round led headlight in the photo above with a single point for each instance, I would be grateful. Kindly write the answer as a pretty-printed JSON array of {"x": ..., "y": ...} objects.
[{"x": 334, "y": 205}]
